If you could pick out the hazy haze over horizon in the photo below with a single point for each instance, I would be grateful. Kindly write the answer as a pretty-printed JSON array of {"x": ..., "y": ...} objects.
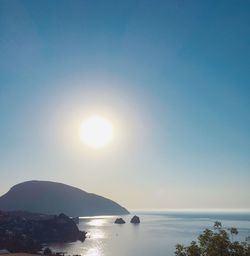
[{"x": 171, "y": 76}]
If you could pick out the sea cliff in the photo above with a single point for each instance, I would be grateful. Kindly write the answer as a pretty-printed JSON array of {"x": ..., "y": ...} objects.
[{"x": 24, "y": 232}]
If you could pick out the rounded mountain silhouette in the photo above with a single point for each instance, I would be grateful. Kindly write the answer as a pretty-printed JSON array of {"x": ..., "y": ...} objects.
[{"x": 54, "y": 198}]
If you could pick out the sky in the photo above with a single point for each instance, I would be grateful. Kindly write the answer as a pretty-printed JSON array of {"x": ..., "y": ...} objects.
[{"x": 171, "y": 76}]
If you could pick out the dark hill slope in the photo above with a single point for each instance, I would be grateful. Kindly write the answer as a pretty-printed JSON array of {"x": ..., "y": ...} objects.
[{"x": 55, "y": 198}]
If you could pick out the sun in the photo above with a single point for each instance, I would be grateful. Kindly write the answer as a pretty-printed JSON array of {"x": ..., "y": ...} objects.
[{"x": 96, "y": 131}]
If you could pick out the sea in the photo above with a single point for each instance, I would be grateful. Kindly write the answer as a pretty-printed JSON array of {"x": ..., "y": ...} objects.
[{"x": 156, "y": 235}]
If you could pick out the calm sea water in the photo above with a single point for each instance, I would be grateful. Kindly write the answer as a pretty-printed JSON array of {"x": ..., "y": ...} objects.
[{"x": 156, "y": 235}]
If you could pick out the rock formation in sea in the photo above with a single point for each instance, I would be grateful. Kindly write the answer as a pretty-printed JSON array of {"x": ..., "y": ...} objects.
[
  {"x": 120, "y": 221},
  {"x": 135, "y": 220},
  {"x": 53, "y": 198}
]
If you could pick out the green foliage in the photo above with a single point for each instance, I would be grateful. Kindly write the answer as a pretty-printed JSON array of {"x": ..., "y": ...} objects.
[{"x": 215, "y": 242}]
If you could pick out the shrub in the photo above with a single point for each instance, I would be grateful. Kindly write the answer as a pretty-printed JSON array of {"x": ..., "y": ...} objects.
[{"x": 216, "y": 242}]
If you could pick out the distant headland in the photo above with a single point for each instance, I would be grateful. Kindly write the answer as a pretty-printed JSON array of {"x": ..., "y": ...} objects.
[{"x": 54, "y": 198}]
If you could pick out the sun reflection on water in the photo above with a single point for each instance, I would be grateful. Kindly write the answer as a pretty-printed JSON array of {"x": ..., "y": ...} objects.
[
  {"x": 97, "y": 234},
  {"x": 93, "y": 252},
  {"x": 97, "y": 222}
]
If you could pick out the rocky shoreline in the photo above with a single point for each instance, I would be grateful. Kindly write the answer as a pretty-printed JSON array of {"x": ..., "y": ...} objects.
[{"x": 26, "y": 232}]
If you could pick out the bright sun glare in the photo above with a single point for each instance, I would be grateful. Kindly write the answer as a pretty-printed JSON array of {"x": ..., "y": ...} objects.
[{"x": 96, "y": 132}]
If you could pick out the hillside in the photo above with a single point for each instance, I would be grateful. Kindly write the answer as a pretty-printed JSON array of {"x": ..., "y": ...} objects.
[{"x": 55, "y": 198}]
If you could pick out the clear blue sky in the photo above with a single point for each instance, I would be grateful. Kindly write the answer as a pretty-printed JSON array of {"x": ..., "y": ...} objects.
[{"x": 172, "y": 76}]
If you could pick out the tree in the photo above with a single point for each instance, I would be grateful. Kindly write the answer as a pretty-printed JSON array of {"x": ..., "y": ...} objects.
[{"x": 215, "y": 242}]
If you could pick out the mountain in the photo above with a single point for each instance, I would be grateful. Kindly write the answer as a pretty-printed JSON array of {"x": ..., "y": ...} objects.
[{"x": 55, "y": 198}]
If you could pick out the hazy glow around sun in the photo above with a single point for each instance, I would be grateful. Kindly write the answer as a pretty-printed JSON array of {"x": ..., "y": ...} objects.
[{"x": 96, "y": 131}]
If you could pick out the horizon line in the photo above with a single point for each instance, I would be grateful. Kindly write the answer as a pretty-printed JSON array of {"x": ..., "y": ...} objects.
[{"x": 245, "y": 210}]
